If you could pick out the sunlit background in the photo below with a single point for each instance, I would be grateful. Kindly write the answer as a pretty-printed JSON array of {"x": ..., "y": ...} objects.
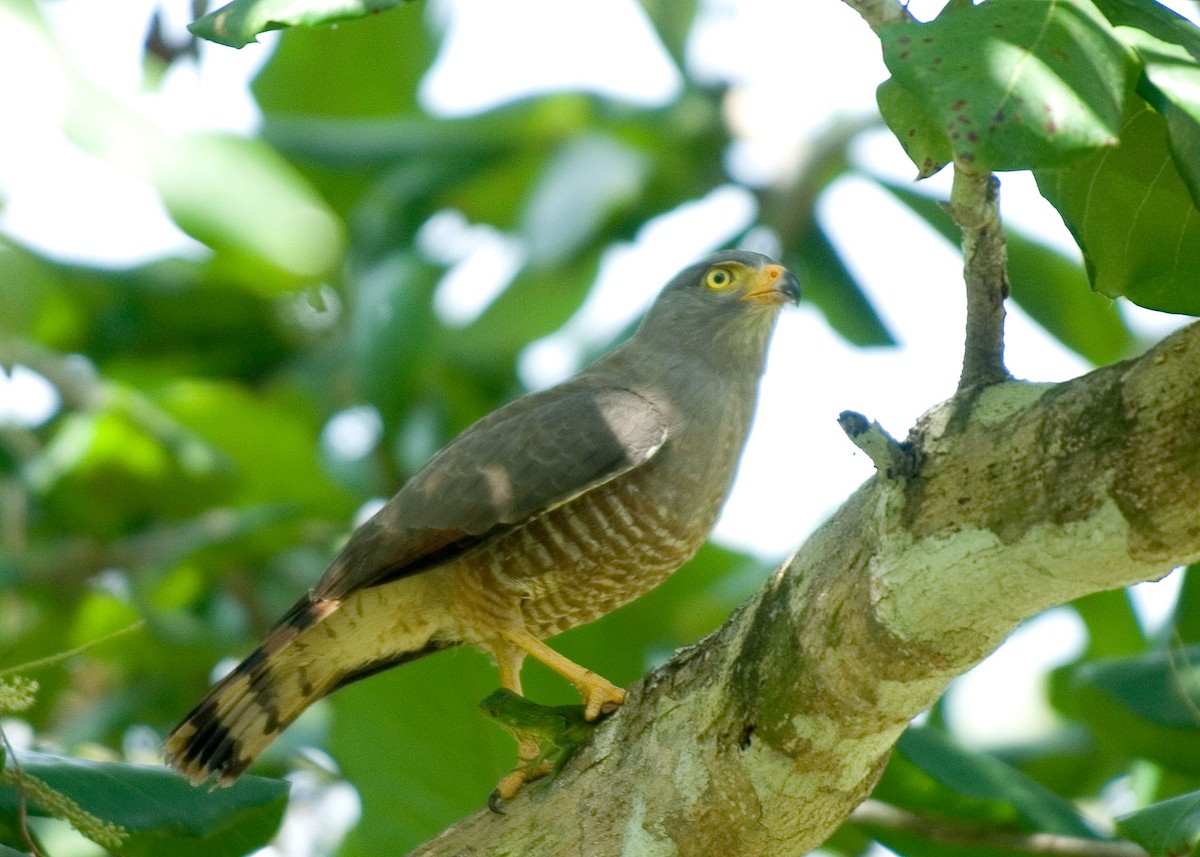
[{"x": 796, "y": 68}]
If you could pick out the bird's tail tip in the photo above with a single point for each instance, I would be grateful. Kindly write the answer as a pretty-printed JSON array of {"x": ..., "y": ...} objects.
[{"x": 203, "y": 749}]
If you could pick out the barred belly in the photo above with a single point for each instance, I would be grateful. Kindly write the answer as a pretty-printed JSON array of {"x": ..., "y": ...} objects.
[{"x": 594, "y": 554}]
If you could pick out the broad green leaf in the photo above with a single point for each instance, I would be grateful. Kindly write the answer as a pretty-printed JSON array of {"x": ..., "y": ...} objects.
[
  {"x": 1170, "y": 83},
  {"x": 242, "y": 21},
  {"x": 163, "y": 813},
  {"x": 1069, "y": 761},
  {"x": 672, "y": 20},
  {"x": 1161, "y": 687},
  {"x": 534, "y": 305},
  {"x": 831, "y": 288},
  {"x": 1047, "y": 285},
  {"x": 368, "y": 67},
  {"x": 1170, "y": 828},
  {"x": 106, "y": 470},
  {"x": 167, "y": 317},
  {"x": 354, "y": 143},
  {"x": 1186, "y": 615},
  {"x": 1013, "y": 84},
  {"x": 1132, "y": 215},
  {"x": 1153, "y": 18},
  {"x": 583, "y": 183},
  {"x": 919, "y": 129},
  {"x": 237, "y": 196},
  {"x": 1112, "y": 625},
  {"x": 392, "y": 327},
  {"x": 264, "y": 212},
  {"x": 1140, "y": 706},
  {"x": 930, "y": 773},
  {"x": 270, "y": 442}
]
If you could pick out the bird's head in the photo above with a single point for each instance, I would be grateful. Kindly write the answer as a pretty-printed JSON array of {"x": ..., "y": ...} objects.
[{"x": 727, "y": 301}]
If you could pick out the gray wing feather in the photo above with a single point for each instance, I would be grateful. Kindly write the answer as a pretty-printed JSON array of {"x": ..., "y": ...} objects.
[{"x": 519, "y": 462}]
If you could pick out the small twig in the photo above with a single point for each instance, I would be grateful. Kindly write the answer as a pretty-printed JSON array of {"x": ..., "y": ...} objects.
[
  {"x": 59, "y": 657},
  {"x": 892, "y": 458},
  {"x": 875, "y": 813},
  {"x": 879, "y": 12},
  {"x": 22, "y": 797},
  {"x": 974, "y": 205}
]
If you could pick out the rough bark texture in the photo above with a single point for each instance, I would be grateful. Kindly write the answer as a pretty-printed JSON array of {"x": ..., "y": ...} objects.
[{"x": 762, "y": 738}]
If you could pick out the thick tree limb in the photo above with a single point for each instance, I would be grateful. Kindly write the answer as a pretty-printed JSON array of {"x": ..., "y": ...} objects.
[{"x": 763, "y": 737}]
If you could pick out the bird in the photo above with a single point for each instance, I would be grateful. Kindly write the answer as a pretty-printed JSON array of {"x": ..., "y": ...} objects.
[{"x": 548, "y": 513}]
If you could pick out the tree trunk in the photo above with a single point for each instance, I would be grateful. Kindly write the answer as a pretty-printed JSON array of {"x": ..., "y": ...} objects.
[{"x": 761, "y": 739}]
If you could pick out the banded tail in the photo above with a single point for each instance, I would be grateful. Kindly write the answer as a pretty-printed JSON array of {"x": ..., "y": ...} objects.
[{"x": 318, "y": 647}]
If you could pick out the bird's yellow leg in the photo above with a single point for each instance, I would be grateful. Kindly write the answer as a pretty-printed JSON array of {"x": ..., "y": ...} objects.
[{"x": 600, "y": 696}]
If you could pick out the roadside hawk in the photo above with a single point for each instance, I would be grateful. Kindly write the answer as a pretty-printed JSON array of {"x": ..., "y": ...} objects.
[{"x": 550, "y": 512}]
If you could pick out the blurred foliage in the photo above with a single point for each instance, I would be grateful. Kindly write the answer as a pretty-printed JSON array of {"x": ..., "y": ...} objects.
[{"x": 187, "y": 479}]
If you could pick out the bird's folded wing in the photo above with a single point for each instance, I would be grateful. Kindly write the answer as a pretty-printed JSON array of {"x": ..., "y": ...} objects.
[{"x": 521, "y": 461}]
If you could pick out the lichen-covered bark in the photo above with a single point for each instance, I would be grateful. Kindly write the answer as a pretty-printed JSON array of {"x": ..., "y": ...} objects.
[{"x": 762, "y": 738}]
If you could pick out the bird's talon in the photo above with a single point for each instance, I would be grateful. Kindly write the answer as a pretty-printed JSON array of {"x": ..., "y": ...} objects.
[
  {"x": 602, "y": 699},
  {"x": 494, "y": 801},
  {"x": 506, "y": 790}
]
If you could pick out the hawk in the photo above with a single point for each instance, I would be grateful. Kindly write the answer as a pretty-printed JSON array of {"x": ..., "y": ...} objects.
[{"x": 548, "y": 513}]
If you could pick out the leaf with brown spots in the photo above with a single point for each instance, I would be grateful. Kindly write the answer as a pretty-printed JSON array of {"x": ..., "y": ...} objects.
[{"x": 1011, "y": 85}]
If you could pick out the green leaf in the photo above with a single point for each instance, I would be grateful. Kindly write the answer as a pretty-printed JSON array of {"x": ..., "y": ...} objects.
[
  {"x": 535, "y": 304},
  {"x": 1047, "y": 285},
  {"x": 392, "y": 326},
  {"x": 672, "y": 20},
  {"x": 1161, "y": 687},
  {"x": 1013, "y": 84},
  {"x": 1186, "y": 615},
  {"x": 163, "y": 813},
  {"x": 238, "y": 196},
  {"x": 1143, "y": 705},
  {"x": 832, "y": 289},
  {"x": 368, "y": 67},
  {"x": 916, "y": 126},
  {"x": 270, "y": 441},
  {"x": 368, "y": 142},
  {"x": 264, "y": 213},
  {"x": 1112, "y": 625},
  {"x": 242, "y": 21},
  {"x": 1170, "y": 828},
  {"x": 1068, "y": 761},
  {"x": 1132, "y": 215},
  {"x": 931, "y": 774},
  {"x": 1170, "y": 83},
  {"x": 583, "y": 183},
  {"x": 1155, "y": 19}
]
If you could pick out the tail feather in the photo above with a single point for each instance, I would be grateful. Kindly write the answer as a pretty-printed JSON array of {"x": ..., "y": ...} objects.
[{"x": 292, "y": 668}]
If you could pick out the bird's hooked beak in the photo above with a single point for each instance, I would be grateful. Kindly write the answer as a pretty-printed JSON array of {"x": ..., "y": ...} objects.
[{"x": 773, "y": 284}]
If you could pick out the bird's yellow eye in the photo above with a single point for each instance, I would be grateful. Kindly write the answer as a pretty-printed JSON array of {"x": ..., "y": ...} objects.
[{"x": 718, "y": 278}]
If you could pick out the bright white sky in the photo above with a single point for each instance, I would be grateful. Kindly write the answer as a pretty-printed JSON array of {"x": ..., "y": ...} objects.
[{"x": 795, "y": 66}]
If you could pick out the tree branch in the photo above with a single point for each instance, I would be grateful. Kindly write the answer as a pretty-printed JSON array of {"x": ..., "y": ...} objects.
[
  {"x": 873, "y": 813},
  {"x": 892, "y": 458},
  {"x": 879, "y": 12},
  {"x": 975, "y": 207},
  {"x": 763, "y": 737}
]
